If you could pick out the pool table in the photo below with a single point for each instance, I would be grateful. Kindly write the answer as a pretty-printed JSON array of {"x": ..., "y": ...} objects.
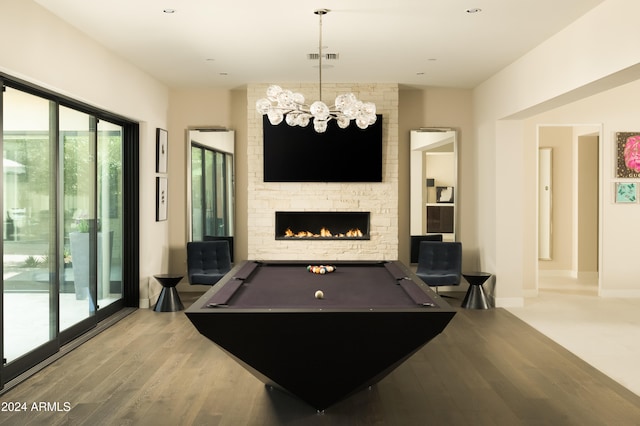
[{"x": 374, "y": 315}]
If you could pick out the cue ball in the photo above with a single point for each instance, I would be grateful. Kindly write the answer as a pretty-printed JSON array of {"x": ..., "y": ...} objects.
[{"x": 319, "y": 294}]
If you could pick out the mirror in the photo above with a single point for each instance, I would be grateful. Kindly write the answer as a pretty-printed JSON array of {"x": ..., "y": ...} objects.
[
  {"x": 544, "y": 203},
  {"x": 210, "y": 184},
  {"x": 434, "y": 172}
]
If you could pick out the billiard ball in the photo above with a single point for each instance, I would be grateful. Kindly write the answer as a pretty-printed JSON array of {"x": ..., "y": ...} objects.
[{"x": 319, "y": 294}]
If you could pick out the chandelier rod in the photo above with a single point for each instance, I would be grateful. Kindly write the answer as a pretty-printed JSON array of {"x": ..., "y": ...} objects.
[{"x": 320, "y": 12}]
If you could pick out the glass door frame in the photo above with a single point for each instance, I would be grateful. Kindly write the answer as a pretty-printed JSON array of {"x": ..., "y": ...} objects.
[{"x": 130, "y": 221}]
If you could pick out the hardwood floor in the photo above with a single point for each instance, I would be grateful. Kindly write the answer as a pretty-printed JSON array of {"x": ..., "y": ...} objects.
[{"x": 487, "y": 368}]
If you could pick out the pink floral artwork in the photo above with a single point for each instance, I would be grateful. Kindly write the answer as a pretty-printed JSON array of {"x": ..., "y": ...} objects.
[
  {"x": 632, "y": 153},
  {"x": 628, "y": 154}
]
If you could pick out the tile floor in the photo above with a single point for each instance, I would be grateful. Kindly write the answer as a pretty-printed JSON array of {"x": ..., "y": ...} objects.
[{"x": 605, "y": 332}]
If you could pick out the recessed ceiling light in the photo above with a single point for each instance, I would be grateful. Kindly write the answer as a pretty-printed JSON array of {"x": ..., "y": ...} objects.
[
  {"x": 169, "y": 11},
  {"x": 474, "y": 10}
]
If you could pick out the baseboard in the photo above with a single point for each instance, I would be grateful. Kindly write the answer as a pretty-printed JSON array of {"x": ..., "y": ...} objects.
[{"x": 148, "y": 303}]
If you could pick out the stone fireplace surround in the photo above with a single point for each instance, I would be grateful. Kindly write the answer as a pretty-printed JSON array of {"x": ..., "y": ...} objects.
[{"x": 380, "y": 199}]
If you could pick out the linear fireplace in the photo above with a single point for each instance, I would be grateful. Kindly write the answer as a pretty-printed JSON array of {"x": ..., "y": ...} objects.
[{"x": 322, "y": 225}]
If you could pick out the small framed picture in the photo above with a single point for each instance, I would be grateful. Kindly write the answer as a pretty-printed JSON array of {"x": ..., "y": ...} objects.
[
  {"x": 161, "y": 150},
  {"x": 626, "y": 192},
  {"x": 161, "y": 199},
  {"x": 444, "y": 194}
]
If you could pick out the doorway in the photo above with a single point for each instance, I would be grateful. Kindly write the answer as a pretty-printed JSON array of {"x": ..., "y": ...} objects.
[{"x": 571, "y": 258}]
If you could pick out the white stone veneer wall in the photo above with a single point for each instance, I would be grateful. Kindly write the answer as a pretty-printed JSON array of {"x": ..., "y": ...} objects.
[{"x": 381, "y": 199}]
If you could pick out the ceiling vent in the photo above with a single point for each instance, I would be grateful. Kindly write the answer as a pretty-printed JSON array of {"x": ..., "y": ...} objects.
[{"x": 326, "y": 56}]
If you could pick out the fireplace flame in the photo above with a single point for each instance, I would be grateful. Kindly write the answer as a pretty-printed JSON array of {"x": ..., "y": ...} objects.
[
  {"x": 354, "y": 233},
  {"x": 324, "y": 232}
]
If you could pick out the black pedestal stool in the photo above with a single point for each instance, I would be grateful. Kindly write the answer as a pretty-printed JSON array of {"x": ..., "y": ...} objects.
[
  {"x": 475, "y": 297},
  {"x": 169, "y": 299}
]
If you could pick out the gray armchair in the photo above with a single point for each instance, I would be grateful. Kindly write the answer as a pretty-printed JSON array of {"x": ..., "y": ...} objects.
[
  {"x": 440, "y": 263},
  {"x": 207, "y": 261}
]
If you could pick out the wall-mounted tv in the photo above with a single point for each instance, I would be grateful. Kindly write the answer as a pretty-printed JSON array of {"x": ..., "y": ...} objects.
[{"x": 299, "y": 154}]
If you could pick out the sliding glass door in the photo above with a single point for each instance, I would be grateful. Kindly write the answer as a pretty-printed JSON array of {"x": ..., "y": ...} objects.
[
  {"x": 92, "y": 206},
  {"x": 78, "y": 140},
  {"x": 29, "y": 237},
  {"x": 109, "y": 212},
  {"x": 63, "y": 239}
]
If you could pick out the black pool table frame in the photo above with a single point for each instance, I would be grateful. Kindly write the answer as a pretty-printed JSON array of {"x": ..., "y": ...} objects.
[{"x": 319, "y": 354}]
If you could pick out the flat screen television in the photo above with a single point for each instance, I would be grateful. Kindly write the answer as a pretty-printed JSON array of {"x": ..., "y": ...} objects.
[{"x": 299, "y": 154}]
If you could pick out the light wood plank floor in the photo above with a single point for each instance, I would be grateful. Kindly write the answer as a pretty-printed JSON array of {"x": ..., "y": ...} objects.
[{"x": 487, "y": 368}]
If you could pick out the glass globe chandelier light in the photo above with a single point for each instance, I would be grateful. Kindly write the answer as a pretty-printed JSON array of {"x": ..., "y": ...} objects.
[{"x": 281, "y": 104}]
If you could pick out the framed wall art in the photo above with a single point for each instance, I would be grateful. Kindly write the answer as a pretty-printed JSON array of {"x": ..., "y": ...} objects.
[
  {"x": 626, "y": 192},
  {"x": 161, "y": 198},
  {"x": 444, "y": 194},
  {"x": 161, "y": 150},
  {"x": 628, "y": 155}
]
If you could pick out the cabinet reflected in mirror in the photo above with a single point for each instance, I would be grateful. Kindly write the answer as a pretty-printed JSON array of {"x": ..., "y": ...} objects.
[
  {"x": 210, "y": 189},
  {"x": 434, "y": 171}
]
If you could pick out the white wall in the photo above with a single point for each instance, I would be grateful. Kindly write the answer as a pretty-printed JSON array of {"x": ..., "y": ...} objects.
[
  {"x": 39, "y": 48},
  {"x": 587, "y": 202},
  {"x": 592, "y": 55}
]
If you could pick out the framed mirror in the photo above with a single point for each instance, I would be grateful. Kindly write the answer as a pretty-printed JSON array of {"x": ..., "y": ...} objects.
[
  {"x": 544, "y": 203},
  {"x": 210, "y": 184},
  {"x": 434, "y": 180}
]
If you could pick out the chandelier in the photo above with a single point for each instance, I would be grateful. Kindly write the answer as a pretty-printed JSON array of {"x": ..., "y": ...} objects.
[{"x": 281, "y": 104}]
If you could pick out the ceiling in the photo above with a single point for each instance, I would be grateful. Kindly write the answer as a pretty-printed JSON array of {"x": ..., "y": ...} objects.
[{"x": 227, "y": 44}]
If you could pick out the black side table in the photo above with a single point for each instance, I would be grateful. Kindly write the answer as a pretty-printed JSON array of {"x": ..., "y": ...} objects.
[
  {"x": 476, "y": 298},
  {"x": 169, "y": 300}
]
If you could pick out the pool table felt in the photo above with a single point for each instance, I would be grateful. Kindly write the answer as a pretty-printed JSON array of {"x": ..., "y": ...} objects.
[{"x": 374, "y": 285}]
